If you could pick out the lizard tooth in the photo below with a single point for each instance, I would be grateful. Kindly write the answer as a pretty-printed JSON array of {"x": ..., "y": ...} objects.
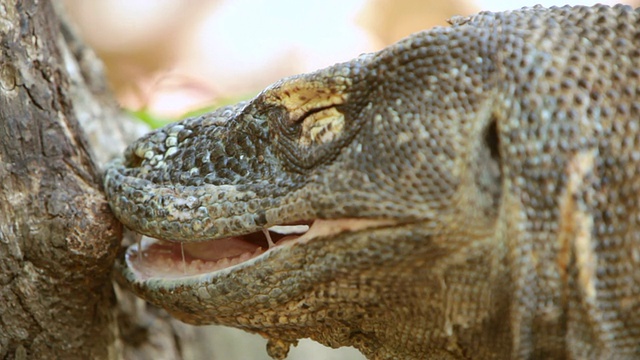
[
  {"x": 197, "y": 265},
  {"x": 257, "y": 252},
  {"x": 246, "y": 256},
  {"x": 289, "y": 229},
  {"x": 223, "y": 263}
]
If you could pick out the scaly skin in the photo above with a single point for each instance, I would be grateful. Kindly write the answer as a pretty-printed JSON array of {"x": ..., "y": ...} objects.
[{"x": 490, "y": 171}]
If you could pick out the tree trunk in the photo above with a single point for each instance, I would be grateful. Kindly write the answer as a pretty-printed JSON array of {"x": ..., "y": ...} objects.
[{"x": 58, "y": 238}]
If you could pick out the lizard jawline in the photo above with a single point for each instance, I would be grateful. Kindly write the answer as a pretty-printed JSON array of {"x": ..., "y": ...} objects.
[{"x": 172, "y": 260}]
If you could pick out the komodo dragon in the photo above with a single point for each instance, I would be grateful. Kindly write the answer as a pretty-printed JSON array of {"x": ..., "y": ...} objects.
[{"x": 472, "y": 191}]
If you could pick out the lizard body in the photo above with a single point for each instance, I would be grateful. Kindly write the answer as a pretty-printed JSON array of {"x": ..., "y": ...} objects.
[{"x": 472, "y": 192}]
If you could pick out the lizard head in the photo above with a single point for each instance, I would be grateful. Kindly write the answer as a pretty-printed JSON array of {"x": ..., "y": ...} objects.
[{"x": 281, "y": 215}]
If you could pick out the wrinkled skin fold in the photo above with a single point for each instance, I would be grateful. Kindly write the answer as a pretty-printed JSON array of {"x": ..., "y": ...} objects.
[{"x": 468, "y": 192}]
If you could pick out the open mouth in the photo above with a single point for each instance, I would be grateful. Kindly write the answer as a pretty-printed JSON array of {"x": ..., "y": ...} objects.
[{"x": 153, "y": 258}]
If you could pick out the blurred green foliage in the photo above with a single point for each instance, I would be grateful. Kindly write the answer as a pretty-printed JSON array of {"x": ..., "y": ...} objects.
[{"x": 155, "y": 121}]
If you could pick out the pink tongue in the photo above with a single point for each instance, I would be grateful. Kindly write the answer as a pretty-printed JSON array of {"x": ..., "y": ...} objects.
[{"x": 219, "y": 249}]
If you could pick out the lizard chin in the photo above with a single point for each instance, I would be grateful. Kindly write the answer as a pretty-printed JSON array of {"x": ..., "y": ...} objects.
[{"x": 154, "y": 258}]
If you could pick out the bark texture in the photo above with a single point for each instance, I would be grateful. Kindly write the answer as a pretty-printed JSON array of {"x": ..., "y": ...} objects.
[{"x": 58, "y": 238}]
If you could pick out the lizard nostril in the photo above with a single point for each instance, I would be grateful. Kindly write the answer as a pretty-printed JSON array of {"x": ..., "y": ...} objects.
[{"x": 133, "y": 161}]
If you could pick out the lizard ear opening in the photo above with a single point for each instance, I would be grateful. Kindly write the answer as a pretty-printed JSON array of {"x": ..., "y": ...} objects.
[
  {"x": 491, "y": 139},
  {"x": 488, "y": 166}
]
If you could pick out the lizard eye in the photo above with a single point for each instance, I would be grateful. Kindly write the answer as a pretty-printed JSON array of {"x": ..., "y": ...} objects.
[
  {"x": 306, "y": 113},
  {"x": 321, "y": 126},
  {"x": 311, "y": 107}
]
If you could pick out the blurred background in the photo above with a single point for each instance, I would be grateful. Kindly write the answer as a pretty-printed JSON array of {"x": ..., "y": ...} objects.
[
  {"x": 167, "y": 58},
  {"x": 170, "y": 57}
]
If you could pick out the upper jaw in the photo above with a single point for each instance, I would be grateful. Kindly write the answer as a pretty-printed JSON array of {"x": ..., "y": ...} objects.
[{"x": 180, "y": 213}]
